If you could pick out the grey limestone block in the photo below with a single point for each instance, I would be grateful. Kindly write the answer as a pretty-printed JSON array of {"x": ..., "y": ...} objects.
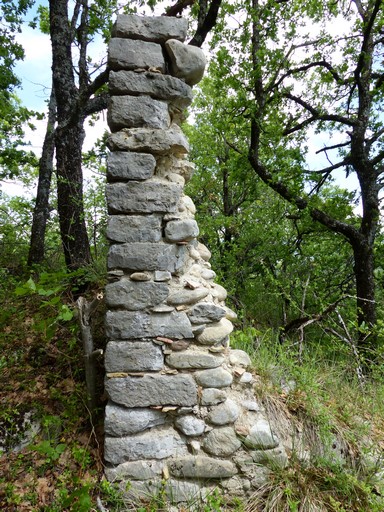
[
  {"x": 130, "y": 356},
  {"x": 188, "y": 62},
  {"x": 135, "y": 295},
  {"x": 181, "y": 230},
  {"x": 153, "y": 390},
  {"x": 150, "y": 28},
  {"x": 201, "y": 467},
  {"x": 142, "y": 446},
  {"x": 142, "y": 197},
  {"x": 125, "y": 325},
  {"x": 193, "y": 360},
  {"x": 134, "y": 228},
  {"x": 148, "y": 140},
  {"x": 129, "y": 54},
  {"x": 137, "y": 111},
  {"x": 155, "y": 85},
  {"x": 120, "y": 421},
  {"x": 221, "y": 442},
  {"x": 123, "y": 165},
  {"x": 147, "y": 256}
]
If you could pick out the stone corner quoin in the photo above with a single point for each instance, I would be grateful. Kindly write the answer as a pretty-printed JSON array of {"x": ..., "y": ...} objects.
[{"x": 181, "y": 403}]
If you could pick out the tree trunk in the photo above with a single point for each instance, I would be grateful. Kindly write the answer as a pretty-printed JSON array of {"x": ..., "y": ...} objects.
[
  {"x": 69, "y": 140},
  {"x": 73, "y": 230},
  {"x": 41, "y": 211}
]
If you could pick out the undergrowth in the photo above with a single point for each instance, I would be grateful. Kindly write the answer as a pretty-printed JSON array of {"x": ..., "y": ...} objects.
[{"x": 335, "y": 457}]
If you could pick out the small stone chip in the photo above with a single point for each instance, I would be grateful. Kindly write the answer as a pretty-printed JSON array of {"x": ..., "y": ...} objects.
[
  {"x": 168, "y": 409},
  {"x": 238, "y": 372},
  {"x": 140, "y": 276},
  {"x": 165, "y": 473},
  {"x": 217, "y": 348},
  {"x": 168, "y": 341},
  {"x": 178, "y": 346},
  {"x": 116, "y": 375}
]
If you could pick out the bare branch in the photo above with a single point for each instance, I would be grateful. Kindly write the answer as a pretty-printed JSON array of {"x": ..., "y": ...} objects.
[
  {"x": 178, "y": 8},
  {"x": 206, "y": 24}
]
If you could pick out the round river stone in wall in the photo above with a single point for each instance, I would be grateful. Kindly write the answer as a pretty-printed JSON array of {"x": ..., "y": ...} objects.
[
  {"x": 186, "y": 296},
  {"x": 191, "y": 359},
  {"x": 225, "y": 413},
  {"x": 201, "y": 467},
  {"x": 261, "y": 437},
  {"x": 221, "y": 442},
  {"x": 190, "y": 425},
  {"x": 215, "y": 333},
  {"x": 239, "y": 358},
  {"x": 181, "y": 230},
  {"x": 214, "y": 378},
  {"x": 212, "y": 396}
]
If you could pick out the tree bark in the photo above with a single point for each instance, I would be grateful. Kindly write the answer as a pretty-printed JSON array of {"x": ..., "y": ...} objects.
[
  {"x": 41, "y": 211},
  {"x": 69, "y": 141}
]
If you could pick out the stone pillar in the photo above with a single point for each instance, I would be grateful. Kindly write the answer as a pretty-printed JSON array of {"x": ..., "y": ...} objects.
[{"x": 181, "y": 409}]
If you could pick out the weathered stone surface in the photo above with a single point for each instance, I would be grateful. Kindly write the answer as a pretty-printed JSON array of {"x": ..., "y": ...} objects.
[
  {"x": 214, "y": 378},
  {"x": 219, "y": 292},
  {"x": 120, "y": 421},
  {"x": 150, "y": 28},
  {"x": 181, "y": 230},
  {"x": 225, "y": 413},
  {"x": 188, "y": 62},
  {"x": 205, "y": 312},
  {"x": 275, "y": 457},
  {"x": 125, "y": 325},
  {"x": 216, "y": 333},
  {"x": 163, "y": 87},
  {"x": 239, "y": 358},
  {"x": 140, "y": 276},
  {"x": 123, "y": 165},
  {"x": 221, "y": 442},
  {"x": 148, "y": 140},
  {"x": 136, "y": 470},
  {"x": 142, "y": 446},
  {"x": 129, "y": 54},
  {"x": 246, "y": 378},
  {"x": 208, "y": 274},
  {"x": 192, "y": 359},
  {"x": 190, "y": 425},
  {"x": 187, "y": 296},
  {"x": 130, "y": 356},
  {"x": 135, "y": 295},
  {"x": 147, "y": 256},
  {"x": 134, "y": 228},
  {"x": 162, "y": 276},
  {"x": 153, "y": 390},
  {"x": 142, "y": 197},
  {"x": 204, "y": 252},
  {"x": 201, "y": 467},
  {"x": 213, "y": 396},
  {"x": 136, "y": 111},
  {"x": 261, "y": 436}
]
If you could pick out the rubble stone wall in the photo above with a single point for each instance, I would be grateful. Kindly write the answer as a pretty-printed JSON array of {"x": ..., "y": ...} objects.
[{"x": 182, "y": 412}]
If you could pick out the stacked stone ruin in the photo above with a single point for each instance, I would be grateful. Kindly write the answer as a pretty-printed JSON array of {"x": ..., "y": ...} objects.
[{"x": 182, "y": 414}]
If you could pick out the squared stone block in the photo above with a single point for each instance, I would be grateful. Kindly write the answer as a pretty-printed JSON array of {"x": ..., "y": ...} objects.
[
  {"x": 135, "y": 295},
  {"x": 136, "y": 112},
  {"x": 150, "y": 28},
  {"x": 129, "y": 54},
  {"x": 152, "y": 390},
  {"x": 134, "y": 228},
  {"x": 130, "y": 356},
  {"x": 155, "y": 85},
  {"x": 143, "y": 197},
  {"x": 124, "y": 165},
  {"x": 131, "y": 325}
]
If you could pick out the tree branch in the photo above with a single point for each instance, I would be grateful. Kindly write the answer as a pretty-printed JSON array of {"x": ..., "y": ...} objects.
[
  {"x": 207, "y": 23},
  {"x": 178, "y": 7}
]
